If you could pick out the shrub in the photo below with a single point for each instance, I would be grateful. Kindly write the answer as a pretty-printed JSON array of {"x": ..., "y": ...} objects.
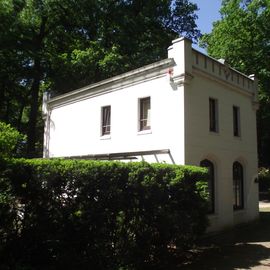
[
  {"x": 9, "y": 140},
  {"x": 264, "y": 179},
  {"x": 64, "y": 214}
]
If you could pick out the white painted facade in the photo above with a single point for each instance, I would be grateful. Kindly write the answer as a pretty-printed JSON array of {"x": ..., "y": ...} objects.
[{"x": 179, "y": 89}]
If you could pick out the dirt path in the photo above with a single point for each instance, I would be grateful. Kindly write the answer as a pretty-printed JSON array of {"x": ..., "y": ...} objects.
[{"x": 243, "y": 248}]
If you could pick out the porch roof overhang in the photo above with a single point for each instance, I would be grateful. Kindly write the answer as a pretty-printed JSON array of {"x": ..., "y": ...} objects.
[{"x": 119, "y": 155}]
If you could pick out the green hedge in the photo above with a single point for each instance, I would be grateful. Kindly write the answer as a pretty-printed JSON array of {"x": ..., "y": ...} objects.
[{"x": 64, "y": 214}]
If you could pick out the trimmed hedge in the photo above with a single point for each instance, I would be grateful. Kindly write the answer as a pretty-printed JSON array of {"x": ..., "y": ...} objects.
[{"x": 66, "y": 214}]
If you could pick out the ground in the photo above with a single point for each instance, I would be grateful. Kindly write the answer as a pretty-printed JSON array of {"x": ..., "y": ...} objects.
[{"x": 246, "y": 247}]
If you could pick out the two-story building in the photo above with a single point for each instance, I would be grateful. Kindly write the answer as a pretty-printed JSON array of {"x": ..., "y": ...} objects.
[{"x": 187, "y": 109}]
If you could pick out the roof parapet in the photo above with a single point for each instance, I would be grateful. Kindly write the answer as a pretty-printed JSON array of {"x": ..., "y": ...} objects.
[
  {"x": 181, "y": 52},
  {"x": 221, "y": 70},
  {"x": 255, "y": 93}
]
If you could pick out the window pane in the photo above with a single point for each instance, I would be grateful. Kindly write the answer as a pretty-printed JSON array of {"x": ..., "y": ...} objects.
[
  {"x": 145, "y": 113},
  {"x": 213, "y": 115},
  {"x": 106, "y": 120},
  {"x": 236, "y": 121},
  {"x": 238, "y": 187}
]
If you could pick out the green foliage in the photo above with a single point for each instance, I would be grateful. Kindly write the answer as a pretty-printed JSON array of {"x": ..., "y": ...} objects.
[
  {"x": 264, "y": 180},
  {"x": 242, "y": 37},
  {"x": 63, "y": 214},
  {"x": 10, "y": 139},
  {"x": 60, "y": 45}
]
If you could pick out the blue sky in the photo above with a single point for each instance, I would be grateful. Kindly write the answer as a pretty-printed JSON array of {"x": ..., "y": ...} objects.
[{"x": 208, "y": 13}]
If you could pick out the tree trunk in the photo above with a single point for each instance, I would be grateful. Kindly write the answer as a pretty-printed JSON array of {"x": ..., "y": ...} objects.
[
  {"x": 33, "y": 116},
  {"x": 7, "y": 112},
  {"x": 19, "y": 119},
  {"x": 37, "y": 77}
]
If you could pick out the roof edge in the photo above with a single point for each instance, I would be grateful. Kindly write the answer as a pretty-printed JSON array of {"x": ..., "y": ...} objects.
[
  {"x": 218, "y": 61},
  {"x": 110, "y": 82}
]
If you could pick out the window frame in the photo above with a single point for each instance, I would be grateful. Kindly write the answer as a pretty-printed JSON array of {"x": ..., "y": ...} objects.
[
  {"x": 105, "y": 123},
  {"x": 236, "y": 121},
  {"x": 238, "y": 186},
  {"x": 213, "y": 115},
  {"x": 206, "y": 163},
  {"x": 142, "y": 120}
]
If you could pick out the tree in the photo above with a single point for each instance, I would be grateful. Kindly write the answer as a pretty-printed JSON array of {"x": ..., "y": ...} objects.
[
  {"x": 242, "y": 37},
  {"x": 12, "y": 87},
  {"x": 59, "y": 45},
  {"x": 118, "y": 36}
]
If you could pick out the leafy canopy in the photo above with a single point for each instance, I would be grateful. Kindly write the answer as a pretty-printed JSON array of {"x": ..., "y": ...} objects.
[{"x": 61, "y": 45}]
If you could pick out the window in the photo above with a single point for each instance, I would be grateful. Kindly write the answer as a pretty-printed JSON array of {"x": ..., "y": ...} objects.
[
  {"x": 238, "y": 186},
  {"x": 211, "y": 184},
  {"x": 213, "y": 115},
  {"x": 236, "y": 121},
  {"x": 145, "y": 114},
  {"x": 106, "y": 120}
]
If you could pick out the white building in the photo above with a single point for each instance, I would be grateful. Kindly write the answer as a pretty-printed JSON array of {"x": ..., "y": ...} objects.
[{"x": 187, "y": 109}]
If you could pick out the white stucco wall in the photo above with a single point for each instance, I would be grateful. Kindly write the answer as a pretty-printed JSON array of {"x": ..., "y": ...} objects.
[
  {"x": 223, "y": 148},
  {"x": 75, "y": 128}
]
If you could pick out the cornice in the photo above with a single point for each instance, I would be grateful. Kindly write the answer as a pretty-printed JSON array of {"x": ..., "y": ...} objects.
[
  {"x": 182, "y": 79},
  {"x": 222, "y": 81},
  {"x": 146, "y": 73}
]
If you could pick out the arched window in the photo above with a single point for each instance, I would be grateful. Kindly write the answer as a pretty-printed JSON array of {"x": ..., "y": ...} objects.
[
  {"x": 211, "y": 183},
  {"x": 238, "y": 186}
]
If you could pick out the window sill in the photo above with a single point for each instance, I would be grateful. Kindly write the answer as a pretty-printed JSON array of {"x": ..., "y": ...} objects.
[
  {"x": 144, "y": 132},
  {"x": 216, "y": 133},
  {"x": 239, "y": 210},
  {"x": 105, "y": 137},
  {"x": 212, "y": 215}
]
